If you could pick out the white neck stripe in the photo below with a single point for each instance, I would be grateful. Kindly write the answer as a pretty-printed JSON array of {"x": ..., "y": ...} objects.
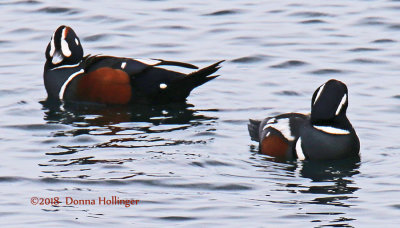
[
  {"x": 67, "y": 66},
  {"x": 332, "y": 130},
  {"x": 64, "y": 86}
]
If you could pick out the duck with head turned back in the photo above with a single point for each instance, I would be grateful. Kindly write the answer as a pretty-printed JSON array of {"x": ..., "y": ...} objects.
[
  {"x": 325, "y": 134},
  {"x": 71, "y": 76}
]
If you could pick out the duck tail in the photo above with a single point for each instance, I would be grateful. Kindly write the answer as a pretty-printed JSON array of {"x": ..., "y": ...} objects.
[
  {"x": 254, "y": 129},
  {"x": 202, "y": 76}
]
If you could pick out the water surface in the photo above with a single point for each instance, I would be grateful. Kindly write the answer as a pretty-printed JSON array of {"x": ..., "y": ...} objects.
[{"x": 194, "y": 164}]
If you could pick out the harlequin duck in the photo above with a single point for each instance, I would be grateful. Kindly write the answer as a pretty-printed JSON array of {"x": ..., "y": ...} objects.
[
  {"x": 325, "y": 134},
  {"x": 69, "y": 76}
]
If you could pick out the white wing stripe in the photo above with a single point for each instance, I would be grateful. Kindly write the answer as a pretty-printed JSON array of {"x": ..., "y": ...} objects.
[
  {"x": 281, "y": 125},
  {"x": 150, "y": 62}
]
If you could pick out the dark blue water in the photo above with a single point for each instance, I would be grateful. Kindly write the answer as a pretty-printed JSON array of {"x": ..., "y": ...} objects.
[{"x": 194, "y": 164}]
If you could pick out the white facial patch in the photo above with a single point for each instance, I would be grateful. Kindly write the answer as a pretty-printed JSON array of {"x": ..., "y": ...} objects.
[
  {"x": 52, "y": 46},
  {"x": 281, "y": 125},
  {"x": 299, "y": 150},
  {"x": 332, "y": 130},
  {"x": 123, "y": 65},
  {"x": 64, "y": 86},
  {"x": 342, "y": 102},
  {"x": 319, "y": 93},
  {"x": 57, "y": 58},
  {"x": 64, "y": 45},
  {"x": 163, "y": 86},
  {"x": 76, "y": 41},
  {"x": 150, "y": 62}
]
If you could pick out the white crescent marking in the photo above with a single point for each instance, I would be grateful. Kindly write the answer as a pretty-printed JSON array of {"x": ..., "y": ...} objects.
[
  {"x": 64, "y": 86},
  {"x": 123, "y": 65},
  {"x": 299, "y": 150},
  {"x": 332, "y": 130},
  {"x": 344, "y": 98},
  {"x": 319, "y": 93}
]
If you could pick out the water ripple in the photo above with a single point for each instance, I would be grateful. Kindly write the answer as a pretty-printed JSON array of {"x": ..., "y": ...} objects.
[
  {"x": 55, "y": 10},
  {"x": 22, "y": 2},
  {"x": 290, "y": 63},
  {"x": 177, "y": 218},
  {"x": 311, "y": 14},
  {"x": 367, "y": 61},
  {"x": 198, "y": 159},
  {"x": 288, "y": 93},
  {"x": 96, "y": 37},
  {"x": 372, "y": 21},
  {"x": 250, "y": 59},
  {"x": 175, "y": 9},
  {"x": 327, "y": 71},
  {"x": 364, "y": 49},
  {"x": 223, "y": 13},
  {"x": 384, "y": 41},
  {"x": 313, "y": 21}
]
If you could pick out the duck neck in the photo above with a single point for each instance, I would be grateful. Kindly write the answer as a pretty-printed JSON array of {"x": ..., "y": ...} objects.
[{"x": 340, "y": 121}]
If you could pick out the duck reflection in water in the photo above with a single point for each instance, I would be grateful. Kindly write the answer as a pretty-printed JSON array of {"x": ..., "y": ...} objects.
[
  {"x": 329, "y": 183},
  {"x": 336, "y": 174},
  {"x": 90, "y": 114},
  {"x": 132, "y": 126}
]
